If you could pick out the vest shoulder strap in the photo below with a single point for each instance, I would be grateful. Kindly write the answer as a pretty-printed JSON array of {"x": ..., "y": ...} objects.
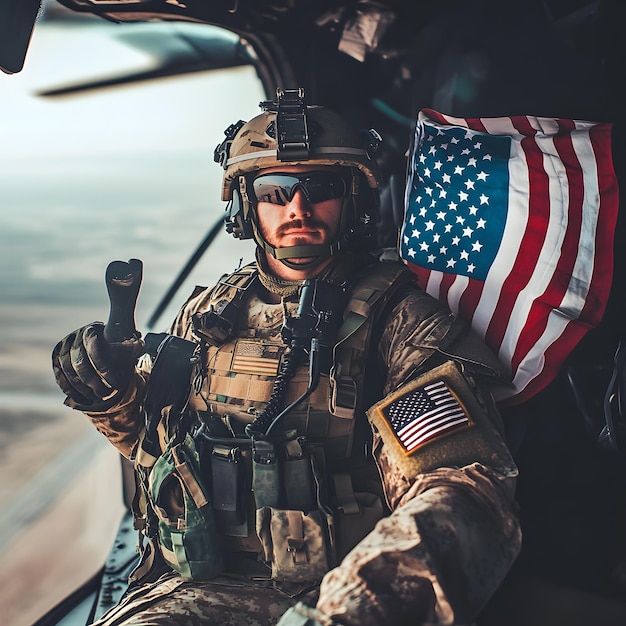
[
  {"x": 235, "y": 284},
  {"x": 371, "y": 292},
  {"x": 368, "y": 299},
  {"x": 216, "y": 312}
]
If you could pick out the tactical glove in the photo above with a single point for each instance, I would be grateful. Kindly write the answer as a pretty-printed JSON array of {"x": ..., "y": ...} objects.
[
  {"x": 91, "y": 372},
  {"x": 303, "y": 615}
]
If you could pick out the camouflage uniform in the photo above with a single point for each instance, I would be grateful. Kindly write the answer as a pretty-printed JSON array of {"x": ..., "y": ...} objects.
[
  {"x": 223, "y": 601},
  {"x": 448, "y": 532}
]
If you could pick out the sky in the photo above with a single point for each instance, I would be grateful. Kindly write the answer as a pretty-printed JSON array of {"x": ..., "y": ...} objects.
[{"x": 117, "y": 173}]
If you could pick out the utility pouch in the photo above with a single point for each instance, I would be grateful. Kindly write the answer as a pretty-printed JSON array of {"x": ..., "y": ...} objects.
[
  {"x": 229, "y": 485},
  {"x": 169, "y": 385},
  {"x": 294, "y": 543},
  {"x": 187, "y": 531}
]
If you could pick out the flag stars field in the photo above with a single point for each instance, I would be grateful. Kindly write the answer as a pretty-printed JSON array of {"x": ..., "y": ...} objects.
[{"x": 457, "y": 176}]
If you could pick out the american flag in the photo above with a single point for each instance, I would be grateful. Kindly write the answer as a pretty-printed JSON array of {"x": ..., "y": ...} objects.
[
  {"x": 424, "y": 414},
  {"x": 252, "y": 357},
  {"x": 510, "y": 222}
]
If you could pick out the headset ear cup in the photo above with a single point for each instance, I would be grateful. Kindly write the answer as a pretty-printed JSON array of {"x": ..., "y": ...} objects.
[{"x": 236, "y": 221}]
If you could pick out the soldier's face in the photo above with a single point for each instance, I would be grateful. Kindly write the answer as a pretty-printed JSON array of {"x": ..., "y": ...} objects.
[{"x": 298, "y": 222}]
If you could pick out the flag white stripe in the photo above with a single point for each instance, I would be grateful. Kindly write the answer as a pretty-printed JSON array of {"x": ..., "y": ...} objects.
[
  {"x": 580, "y": 281},
  {"x": 456, "y": 291},
  {"x": 457, "y": 121},
  {"x": 427, "y": 417},
  {"x": 420, "y": 433},
  {"x": 441, "y": 398},
  {"x": 436, "y": 388},
  {"x": 434, "y": 283},
  {"x": 517, "y": 218},
  {"x": 543, "y": 271},
  {"x": 438, "y": 385},
  {"x": 434, "y": 433},
  {"x": 544, "y": 126},
  {"x": 533, "y": 363}
]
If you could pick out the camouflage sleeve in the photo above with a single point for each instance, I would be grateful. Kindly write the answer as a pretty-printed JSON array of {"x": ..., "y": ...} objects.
[
  {"x": 435, "y": 560},
  {"x": 421, "y": 331},
  {"x": 453, "y": 532}
]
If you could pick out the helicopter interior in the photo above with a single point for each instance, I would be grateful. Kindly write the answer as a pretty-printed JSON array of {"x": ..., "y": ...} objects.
[{"x": 378, "y": 63}]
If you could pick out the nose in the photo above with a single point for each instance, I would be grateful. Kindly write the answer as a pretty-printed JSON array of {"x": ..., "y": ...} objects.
[{"x": 299, "y": 206}]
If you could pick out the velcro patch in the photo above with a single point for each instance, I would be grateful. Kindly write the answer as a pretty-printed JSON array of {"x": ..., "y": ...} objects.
[
  {"x": 423, "y": 414},
  {"x": 436, "y": 421},
  {"x": 254, "y": 357}
]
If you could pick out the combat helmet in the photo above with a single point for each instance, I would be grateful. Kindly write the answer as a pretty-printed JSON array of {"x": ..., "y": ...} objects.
[{"x": 289, "y": 132}]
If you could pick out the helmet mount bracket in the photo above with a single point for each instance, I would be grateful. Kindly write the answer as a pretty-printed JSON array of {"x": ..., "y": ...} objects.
[{"x": 292, "y": 129}]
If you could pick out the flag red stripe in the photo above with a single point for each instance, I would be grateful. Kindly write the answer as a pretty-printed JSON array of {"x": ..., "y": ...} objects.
[
  {"x": 470, "y": 299},
  {"x": 554, "y": 293},
  {"x": 422, "y": 274},
  {"x": 446, "y": 283},
  {"x": 437, "y": 117},
  {"x": 475, "y": 123},
  {"x": 532, "y": 241}
]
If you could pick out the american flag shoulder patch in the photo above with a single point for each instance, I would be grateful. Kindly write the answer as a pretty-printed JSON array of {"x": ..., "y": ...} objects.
[
  {"x": 423, "y": 413},
  {"x": 439, "y": 419}
]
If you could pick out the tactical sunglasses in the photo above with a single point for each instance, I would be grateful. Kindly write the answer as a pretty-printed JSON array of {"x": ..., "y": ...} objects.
[{"x": 317, "y": 186}]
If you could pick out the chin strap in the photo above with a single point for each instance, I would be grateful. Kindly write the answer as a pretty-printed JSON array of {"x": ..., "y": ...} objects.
[{"x": 317, "y": 254}]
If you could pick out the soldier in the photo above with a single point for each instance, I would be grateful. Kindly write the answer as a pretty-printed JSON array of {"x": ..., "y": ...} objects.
[{"x": 337, "y": 458}]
